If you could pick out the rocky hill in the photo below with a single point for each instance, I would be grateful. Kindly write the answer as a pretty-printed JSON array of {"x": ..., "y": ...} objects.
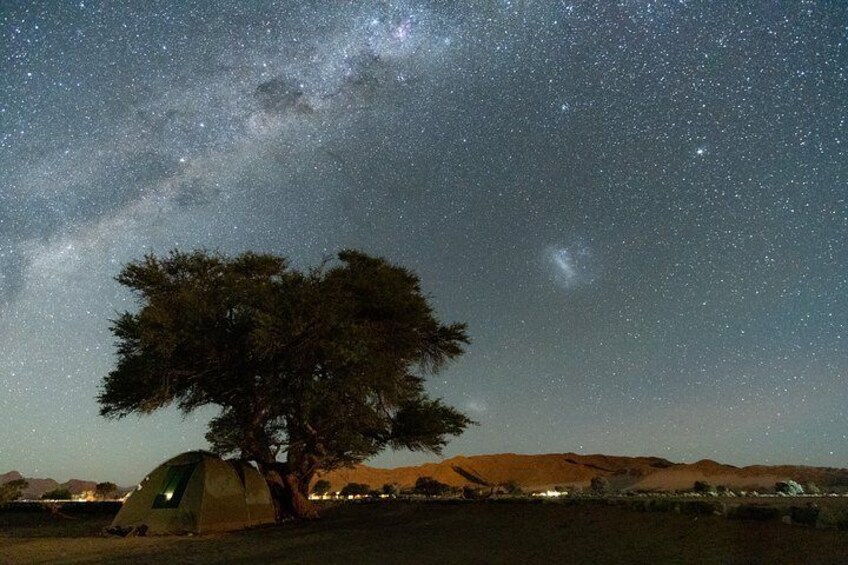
[
  {"x": 537, "y": 472},
  {"x": 540, "y": 472},
  {"x": 37, "y": 487}
]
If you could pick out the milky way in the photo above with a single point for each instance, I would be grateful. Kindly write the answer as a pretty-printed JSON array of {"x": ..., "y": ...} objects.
[{"x": 639, "y": 208}]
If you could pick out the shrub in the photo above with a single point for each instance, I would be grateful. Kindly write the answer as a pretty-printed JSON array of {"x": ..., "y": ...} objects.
[
  {"x": 700, "y": 508},
  {"x": 660, "y": 505},
  {"x": 57, "y": 494},
  {"x": 832, "y": 518},
  {"x": 756, "y": 512},
  {"x": 806, "y": 515}
]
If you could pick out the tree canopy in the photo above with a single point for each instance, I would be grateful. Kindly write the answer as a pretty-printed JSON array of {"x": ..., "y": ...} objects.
[
  {"x": 105, "y": 490},
  {"x": 312, "y": 370},
  {"x": 12, "y": 490}
]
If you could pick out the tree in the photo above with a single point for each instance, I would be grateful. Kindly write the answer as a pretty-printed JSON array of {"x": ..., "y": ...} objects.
[
  {"x": 311, "y": 370},
  {"x": 703, "y": 487},
  {"x": 12, "y": 490},
  {"x": 355, "y": 489},
  {"x": 104, "y": 490},
  {"x": 60, "y": 493},
  {"x": 599, "y": 485},
  {"x": 321, "y": 487},
  {"x": 390, "y": 489},
  {"x": 428, "y": 486}
]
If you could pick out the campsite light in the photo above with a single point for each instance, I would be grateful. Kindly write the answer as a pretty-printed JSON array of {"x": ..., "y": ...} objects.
[
  {"x": 169, "y": 494},
  {"x": 550, "y": 493}
]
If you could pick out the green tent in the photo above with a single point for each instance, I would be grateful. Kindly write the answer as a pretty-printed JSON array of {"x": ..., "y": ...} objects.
[{"x": 197, "y": 492}]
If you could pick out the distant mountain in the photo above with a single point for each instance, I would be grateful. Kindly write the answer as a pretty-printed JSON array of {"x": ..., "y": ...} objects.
[
  {"x": 37, "y": 487},
  {"x": 10, "y": 476},
  {"x": 537, "y": 472}
]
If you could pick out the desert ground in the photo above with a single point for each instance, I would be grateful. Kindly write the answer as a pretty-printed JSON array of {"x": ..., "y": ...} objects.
[{"x": 440, "y": 532}]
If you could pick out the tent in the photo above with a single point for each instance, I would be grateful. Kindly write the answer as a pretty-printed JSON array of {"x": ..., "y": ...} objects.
[{"x": 197, "y": 492}]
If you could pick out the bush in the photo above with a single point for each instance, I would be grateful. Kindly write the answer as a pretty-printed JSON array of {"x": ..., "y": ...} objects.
[
  {"x": 806, "y": 515},
  {"x": 57, "y": 494},
  {"x": 700, "y": 508},
  {"x": 756, "y": 512},
  {"x": 660, "y": 505},
  {"x": 831, "y": 518}
]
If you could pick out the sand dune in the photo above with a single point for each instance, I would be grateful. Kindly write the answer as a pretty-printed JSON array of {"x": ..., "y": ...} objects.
[{"x": 571, "y": 469}]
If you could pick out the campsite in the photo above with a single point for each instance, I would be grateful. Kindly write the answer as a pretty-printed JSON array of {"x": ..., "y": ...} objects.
[
  {"x": 509, "y": 531},
  {"x": 196, "y": 507}
]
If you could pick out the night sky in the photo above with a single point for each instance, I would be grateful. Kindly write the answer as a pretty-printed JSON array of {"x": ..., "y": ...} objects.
[{"x": 640, "y": 208}]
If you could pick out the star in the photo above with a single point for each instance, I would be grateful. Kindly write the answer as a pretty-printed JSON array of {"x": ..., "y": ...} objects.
[{"x": 624, "y": 224}]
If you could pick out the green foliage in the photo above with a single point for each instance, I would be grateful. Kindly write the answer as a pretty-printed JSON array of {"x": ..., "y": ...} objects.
[
  {"x": 105, "y": 490},
  {"x": 12, "y": 490},
  {"x": 326, "y": 366},
  {"x": 321, "y": 487},
  {"x": 428, "y": 486},
  {"x": 355, "y": 489},
  {"x": 57, "y": 494}
]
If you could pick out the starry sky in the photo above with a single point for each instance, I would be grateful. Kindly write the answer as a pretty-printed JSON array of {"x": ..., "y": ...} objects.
[{"x": 639, "y": 207}]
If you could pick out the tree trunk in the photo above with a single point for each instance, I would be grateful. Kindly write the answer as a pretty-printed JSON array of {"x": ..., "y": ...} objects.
[{"x": 290, "y": 492}]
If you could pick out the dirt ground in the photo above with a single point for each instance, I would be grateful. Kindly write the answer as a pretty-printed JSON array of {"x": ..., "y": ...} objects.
[{"x": 419, "y": 532}]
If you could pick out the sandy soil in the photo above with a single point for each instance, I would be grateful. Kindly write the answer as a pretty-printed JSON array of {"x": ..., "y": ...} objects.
[{"x": 408, "y": 532}]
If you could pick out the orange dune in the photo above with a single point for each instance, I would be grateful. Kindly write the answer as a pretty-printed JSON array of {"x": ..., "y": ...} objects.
[{"x": 536, "y": 472}]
